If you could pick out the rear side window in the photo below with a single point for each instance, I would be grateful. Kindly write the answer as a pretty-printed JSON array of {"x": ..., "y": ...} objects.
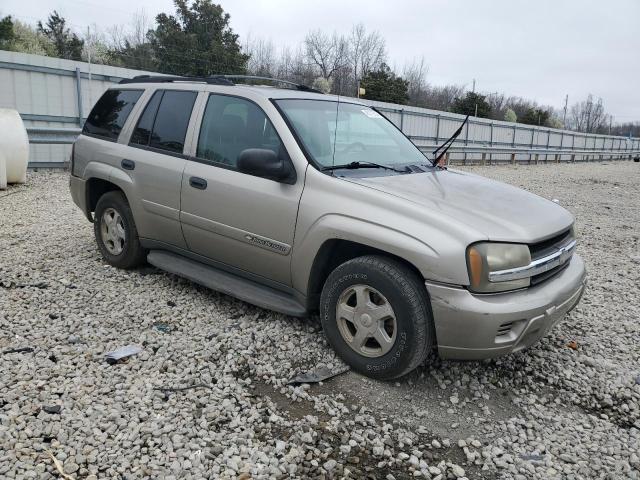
[
  {"x": 142, "y": 133},
  {"x": 231, "y": 125},
  {"x": 110, "y": 113},
  {"x": 163, "y": 124}
]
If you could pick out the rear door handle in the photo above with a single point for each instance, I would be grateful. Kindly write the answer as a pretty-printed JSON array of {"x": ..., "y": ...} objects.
[
  {"x": 197, "y": 182},
  {"x": 128, "y": 164}
]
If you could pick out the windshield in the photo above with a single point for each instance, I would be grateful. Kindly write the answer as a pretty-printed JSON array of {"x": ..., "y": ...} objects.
[{"x": 342, "y": 133}]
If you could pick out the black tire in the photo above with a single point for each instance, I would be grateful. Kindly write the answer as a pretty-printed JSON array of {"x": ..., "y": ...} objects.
[
  {"x": 407, "y": 295},
  {"x": 132, "y": 254}
]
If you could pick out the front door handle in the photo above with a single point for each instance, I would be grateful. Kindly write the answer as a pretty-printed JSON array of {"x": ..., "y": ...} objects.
[
  {"x": 128, "y": 164},
  {"x": 197, "y": 182}
]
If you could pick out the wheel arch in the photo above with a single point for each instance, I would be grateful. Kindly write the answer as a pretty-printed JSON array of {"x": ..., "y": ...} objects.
[
  {"x": 334, "y": 252},
  {"x": 102, "y": 180},
  {"x": 96, "y": 188}
]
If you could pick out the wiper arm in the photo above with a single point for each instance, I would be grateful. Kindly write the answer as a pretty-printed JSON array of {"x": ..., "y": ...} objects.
[
  {"x": 439, "y": 152},
  {"x": 356, "y": 165}
]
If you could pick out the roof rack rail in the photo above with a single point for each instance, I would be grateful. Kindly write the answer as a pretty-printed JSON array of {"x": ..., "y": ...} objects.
[
  {"x": 297, "y": 86},
  {"x": 215, "y": 80}
]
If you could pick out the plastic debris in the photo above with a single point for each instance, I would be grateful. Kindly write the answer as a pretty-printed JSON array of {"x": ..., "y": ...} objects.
[
  {"x": 52, "y": 409},
  {"x": 573, "y": 345},
  {"x": 58, "y": 464},
  {"x": 315, "y": 376},
  {"x": 123, "y": 352},
  {"x": 162, "y": 327},
  {"x": 638, "y": 380},
  {"x": 18, "y": 350},
  {"x": 532, "y": 457}
]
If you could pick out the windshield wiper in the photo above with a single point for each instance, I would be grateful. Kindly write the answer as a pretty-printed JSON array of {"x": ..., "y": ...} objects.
[
  {"x": 442, "y": 149},
  {"x": 356, "y": 165}
]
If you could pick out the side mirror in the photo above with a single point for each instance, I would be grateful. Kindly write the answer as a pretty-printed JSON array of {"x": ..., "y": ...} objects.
[{"x": 263, "y": 162}]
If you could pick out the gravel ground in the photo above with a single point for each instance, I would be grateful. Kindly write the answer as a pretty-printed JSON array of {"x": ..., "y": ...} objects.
[{"x": 207, "y": 397}]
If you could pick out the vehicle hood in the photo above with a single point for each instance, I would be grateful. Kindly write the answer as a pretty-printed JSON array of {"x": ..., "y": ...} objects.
[{"x": 500, "y": 211}]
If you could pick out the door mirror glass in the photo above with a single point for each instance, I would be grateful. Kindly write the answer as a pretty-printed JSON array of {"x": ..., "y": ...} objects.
[{"x": 262, "y": 162}]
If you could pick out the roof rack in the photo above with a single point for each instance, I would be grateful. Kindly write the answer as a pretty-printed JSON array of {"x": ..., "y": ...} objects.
[
  {"x": 215, "y": 80},
  {"x": 297, "y": 86}
]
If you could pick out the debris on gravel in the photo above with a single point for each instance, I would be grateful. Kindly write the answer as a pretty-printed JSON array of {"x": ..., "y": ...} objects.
[{"x": 207, "y": 397}]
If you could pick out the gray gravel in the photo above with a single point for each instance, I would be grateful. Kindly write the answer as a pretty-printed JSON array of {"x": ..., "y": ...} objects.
[{"x": 207, "y": 397}]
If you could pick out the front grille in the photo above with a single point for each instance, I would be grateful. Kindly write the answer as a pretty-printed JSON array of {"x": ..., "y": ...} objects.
[{"x": 547, "y": 247}]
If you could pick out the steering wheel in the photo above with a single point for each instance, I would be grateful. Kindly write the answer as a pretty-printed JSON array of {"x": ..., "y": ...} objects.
[{"x": 354, "y": 145}]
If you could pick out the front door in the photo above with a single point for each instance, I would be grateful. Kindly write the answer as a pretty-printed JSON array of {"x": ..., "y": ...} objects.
[{"x": 241, "y": 221}]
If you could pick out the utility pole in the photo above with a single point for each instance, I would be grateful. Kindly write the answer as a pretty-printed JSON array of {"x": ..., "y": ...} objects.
[
  {"x": 564, "y": 115},
  {"x": 89, "y": 62},
  {"x": 473, "y": 90}
]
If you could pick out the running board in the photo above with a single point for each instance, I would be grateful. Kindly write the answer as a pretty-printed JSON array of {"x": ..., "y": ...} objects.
[{"x": 227, "y": 283}]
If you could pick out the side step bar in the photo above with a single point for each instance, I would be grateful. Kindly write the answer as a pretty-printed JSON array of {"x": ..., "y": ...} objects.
[{"x": 227, "y": 283}]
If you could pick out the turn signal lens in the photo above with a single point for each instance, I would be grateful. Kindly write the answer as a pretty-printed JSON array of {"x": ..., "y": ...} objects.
[{"x": 475, "y": 267}]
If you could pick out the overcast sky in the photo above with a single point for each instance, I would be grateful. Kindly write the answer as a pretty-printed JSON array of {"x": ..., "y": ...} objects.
[{"x": 541, "y": 49}]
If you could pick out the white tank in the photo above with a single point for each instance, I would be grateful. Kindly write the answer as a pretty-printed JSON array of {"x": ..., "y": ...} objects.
[
  {"x": 3, "y": 172},
  {"x": 14, "y": 145}
]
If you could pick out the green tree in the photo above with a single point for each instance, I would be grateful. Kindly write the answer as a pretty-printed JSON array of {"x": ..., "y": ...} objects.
[
  {"x": 385, "y": 86},
  {"x": 510, "y": 116},
  {"x": 535, "y": 116},
  {"x": 6, "y": 33},
  {"x": 139, "y": 57},
  {"x": 467, "y": 105},
  {"x": 66, "y": 43},
  {"x": 197, "y": 41},
  {"x": 16, "y": 36}
]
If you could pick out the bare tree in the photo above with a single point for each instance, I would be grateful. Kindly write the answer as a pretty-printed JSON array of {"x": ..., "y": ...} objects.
[
  {"x": 262, "y": 60},
  {"x": 498, "y": 103},
  {"x": 443, "y": 98},
  {"x": 588, "y": 116},
  {"x": 129, "y": 45},
  {"x": 292, "y": 65},
  {"x": 327, "y": 52},
  {"x": 416, "y": 74},
  {"x": 366, "y": 51},
  {"x": 134, "y": 34},
  {"x": 627, "y": 129}
]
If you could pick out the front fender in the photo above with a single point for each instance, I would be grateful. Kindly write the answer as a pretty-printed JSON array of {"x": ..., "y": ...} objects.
[{"x": 432, "y": 263}]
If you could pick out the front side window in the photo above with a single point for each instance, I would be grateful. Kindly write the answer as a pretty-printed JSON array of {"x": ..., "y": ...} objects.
[
  {"x": 231, "y": 125},
  {"x": 164, "y": 122},
  {"x": 110, "y": 113},
  {"x": 335, "y": 133}
]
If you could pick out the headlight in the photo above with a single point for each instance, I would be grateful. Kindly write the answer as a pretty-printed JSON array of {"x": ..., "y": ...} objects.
[{"x": 483, "y": 258}]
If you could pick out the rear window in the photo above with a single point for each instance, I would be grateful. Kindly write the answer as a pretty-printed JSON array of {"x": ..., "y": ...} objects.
[
  {"x": 163, "y": 124},
  {"x": 110, "y": 113}
]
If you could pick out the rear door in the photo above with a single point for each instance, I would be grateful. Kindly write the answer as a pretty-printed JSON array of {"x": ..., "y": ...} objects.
[
  {"x": 241, "y": 221},
  {"x": 156, "y": 160}
]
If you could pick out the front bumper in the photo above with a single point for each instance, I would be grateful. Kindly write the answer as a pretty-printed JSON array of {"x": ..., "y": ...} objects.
[{"x": 474, "y": 327}]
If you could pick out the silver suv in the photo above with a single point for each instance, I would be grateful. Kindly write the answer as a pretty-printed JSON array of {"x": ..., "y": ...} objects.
[{"x": 300, "y": 202}]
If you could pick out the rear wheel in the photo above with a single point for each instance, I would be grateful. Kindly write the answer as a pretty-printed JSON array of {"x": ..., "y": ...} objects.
[
  {"x": 375, "y": 313},
  {"x": 116, "y": 233}
]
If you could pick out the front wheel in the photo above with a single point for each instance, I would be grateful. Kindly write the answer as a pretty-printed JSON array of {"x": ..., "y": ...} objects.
[
  {"x": 116, "y": 233},
  {"x": 375, "y": 314}
]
